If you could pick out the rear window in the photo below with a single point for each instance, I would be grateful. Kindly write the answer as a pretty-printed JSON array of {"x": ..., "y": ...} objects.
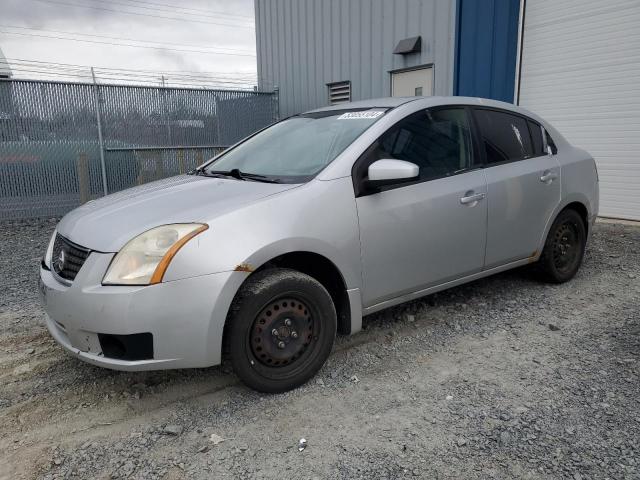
[{"x": 505, "y": 137}]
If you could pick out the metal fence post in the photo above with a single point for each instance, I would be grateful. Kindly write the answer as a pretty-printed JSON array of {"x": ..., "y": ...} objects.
[
  {"x": 164, "y": 110},
  {"x": 217, "y": 104},
  {"x": 82, "y": 169},
  {"x": 96, "y": 96},
  {"x": 276, "y": 93}
]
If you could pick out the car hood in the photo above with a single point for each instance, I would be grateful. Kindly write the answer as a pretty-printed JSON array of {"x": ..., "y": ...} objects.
[{"x": 106, "y": 224}]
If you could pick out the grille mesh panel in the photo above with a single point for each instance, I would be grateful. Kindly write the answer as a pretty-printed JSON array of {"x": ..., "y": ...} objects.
[{"x": 67, "y": 258}]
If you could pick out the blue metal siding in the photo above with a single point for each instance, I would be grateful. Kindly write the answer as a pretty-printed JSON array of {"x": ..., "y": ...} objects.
[{"x": 486, "y": 48}]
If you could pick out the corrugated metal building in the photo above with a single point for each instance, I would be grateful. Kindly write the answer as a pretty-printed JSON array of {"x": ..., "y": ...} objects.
[
  {"x": 316, "y": 51},
  {"x": 575, "y": 62},
  {"x": 304, "y": 46}
]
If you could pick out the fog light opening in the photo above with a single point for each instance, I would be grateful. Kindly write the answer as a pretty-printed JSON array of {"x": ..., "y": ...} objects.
[{"x": 138, "y": 346}]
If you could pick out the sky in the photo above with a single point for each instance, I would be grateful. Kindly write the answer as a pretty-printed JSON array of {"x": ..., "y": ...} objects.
[{"x": 191, "y": 42}]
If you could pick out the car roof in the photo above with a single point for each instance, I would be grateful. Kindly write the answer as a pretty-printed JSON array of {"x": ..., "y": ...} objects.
[
  {"x": 383, "y": 102},
  {"x": 393, "y": 102}
]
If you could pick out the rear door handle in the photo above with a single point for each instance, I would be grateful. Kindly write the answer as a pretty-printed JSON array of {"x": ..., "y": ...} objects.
[
  {"x": 471, "y": 198},
  {"x": 548, "y": 176}
]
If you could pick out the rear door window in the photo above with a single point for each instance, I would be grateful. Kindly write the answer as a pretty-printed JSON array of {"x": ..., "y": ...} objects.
[
  {"x": 505, "y": 137},
  {"x": 536, "y": 138},
  {"x": 551, "y": 143}
]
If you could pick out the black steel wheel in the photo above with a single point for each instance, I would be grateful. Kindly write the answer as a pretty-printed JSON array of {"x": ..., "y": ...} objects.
[
  {"x": 564, "y": 248},
  {"x": 282, "y": 326},
  {"x": 283, "y": 331}
]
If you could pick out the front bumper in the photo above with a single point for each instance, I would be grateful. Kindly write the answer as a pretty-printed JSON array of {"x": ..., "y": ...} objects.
[{"x": 185, "y": 317}]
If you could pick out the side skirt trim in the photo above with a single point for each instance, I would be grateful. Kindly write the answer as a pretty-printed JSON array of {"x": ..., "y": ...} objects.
[{"x": 437, "y": 288}]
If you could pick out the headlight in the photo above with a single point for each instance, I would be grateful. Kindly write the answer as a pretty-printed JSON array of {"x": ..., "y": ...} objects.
[
  {"x": 143, "y": 260},
  {"x": 49, "y": 253}
]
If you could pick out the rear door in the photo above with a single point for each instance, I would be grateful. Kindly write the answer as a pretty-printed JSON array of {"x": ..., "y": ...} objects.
[{"x": 523, "y": 184}]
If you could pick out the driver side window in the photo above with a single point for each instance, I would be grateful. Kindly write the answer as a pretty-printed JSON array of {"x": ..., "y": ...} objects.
[{"x": 438, "y": 141}]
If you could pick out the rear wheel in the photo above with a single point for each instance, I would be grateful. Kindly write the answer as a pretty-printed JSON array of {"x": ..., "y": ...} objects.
[
  {"x": 564, "y": 248},
  {"x": 282, "y": 328}
]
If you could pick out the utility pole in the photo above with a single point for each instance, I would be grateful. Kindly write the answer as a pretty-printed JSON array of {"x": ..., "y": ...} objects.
[{"x": 96, "y": 96}]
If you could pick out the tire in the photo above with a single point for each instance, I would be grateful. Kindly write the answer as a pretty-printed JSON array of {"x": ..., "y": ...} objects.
[
  {"x": 564, "y": 248},
  {"x": 282, "y": 325}
]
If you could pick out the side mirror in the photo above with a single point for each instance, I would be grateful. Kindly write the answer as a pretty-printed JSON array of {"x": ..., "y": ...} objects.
[{"x": 389, "y": 171}]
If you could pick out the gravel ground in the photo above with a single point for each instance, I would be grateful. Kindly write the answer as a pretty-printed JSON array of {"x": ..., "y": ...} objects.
[{"x": 502, "y": 378}]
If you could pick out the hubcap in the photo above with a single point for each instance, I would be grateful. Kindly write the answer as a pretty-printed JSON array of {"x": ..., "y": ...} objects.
[
  {"x": 566, "y": 247},
  {"x": 282, "y": 332}
]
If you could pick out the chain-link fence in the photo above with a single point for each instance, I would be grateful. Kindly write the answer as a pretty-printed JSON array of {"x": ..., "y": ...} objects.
[{"x": 62, "y": 144}]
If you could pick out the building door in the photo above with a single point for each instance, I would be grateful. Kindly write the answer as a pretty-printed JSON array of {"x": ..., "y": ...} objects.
[
  {"x": 580, "y": 72},
  {"x": 412, "y": 83}
]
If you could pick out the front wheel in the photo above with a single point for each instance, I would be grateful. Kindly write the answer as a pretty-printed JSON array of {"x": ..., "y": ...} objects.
[
  {"x": 281, "y": 331},
  {"x": 564, "y": 248}
]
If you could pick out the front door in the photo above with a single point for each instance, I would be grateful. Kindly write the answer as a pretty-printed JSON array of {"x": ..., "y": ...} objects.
[
  {"x": 523, "y": 185},
  {"x": 432, "y": 230},
  {"x": 409, "y": 83}
]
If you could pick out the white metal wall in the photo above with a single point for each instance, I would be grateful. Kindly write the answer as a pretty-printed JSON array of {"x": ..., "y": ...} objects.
[{"x": 581, "y": 71}]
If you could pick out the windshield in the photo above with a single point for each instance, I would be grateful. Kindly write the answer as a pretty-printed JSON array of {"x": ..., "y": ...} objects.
[{"x": 296, "y": 149}]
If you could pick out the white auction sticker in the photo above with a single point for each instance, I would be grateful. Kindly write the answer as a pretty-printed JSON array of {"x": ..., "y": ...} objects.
[{"x": 365, "y": 114}]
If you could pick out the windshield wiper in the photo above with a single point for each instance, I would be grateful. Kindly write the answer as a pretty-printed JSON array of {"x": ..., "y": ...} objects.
[{"x": 236, "y": 173}]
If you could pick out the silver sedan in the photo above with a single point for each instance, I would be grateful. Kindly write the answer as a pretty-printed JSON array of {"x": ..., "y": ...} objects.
[{"x": 263, "y": 253}]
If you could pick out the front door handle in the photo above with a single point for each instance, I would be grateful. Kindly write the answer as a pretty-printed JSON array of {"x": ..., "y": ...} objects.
[
  {"x": 471, "y": 198},
  {"x": 548, "y": 176}
]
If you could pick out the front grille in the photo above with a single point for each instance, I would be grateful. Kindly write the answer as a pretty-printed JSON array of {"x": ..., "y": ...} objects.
[{"x": 67, "y": 258}]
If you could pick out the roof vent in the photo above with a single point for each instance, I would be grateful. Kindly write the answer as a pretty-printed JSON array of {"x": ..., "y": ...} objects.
[{"x": 339, "y": 92}]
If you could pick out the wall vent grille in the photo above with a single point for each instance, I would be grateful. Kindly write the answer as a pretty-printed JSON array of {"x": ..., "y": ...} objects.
[{"x": 339, "y": 92}]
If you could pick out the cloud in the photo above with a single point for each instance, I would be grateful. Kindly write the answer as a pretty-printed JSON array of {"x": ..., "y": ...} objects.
[{"x": 109, "y": 18}]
